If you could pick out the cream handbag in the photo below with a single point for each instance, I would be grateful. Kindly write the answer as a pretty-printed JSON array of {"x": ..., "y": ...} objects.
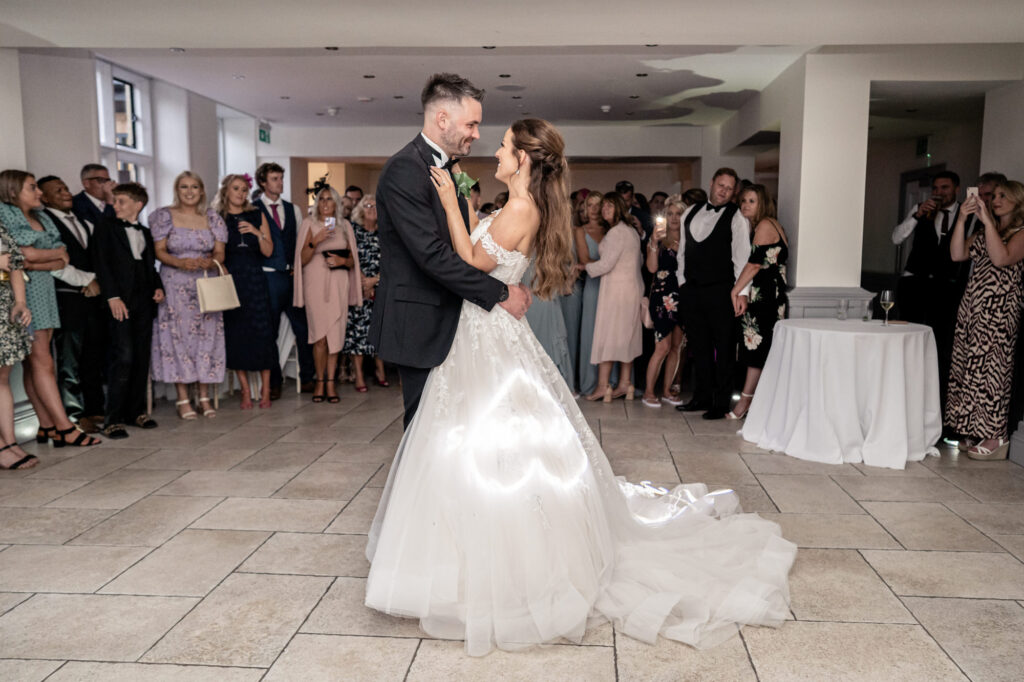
[{"x": 217, "y": 293}]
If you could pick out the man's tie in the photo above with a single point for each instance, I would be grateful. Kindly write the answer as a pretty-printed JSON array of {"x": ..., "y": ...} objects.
[
  {"x": 75, "y": 231},
  {"x": 945, "y": 221},
  {"x": 716, "y": 209},
  {"x": 275, "y": 215},
  {"x": 450, "y": 163}
]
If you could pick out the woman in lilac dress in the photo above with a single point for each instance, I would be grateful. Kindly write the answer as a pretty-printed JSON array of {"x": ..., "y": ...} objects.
[{"x": 188, "y": 345}]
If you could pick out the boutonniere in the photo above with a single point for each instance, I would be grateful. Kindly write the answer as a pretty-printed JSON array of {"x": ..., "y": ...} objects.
[{"x": 463, "y": 183}]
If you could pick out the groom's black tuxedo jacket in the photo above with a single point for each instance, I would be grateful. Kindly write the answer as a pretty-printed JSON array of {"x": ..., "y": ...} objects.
[{"x": 422, "y": 279}]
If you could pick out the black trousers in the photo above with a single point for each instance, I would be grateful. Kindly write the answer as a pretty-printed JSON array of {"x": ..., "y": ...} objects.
[
  {"x": 933, "y": 301},
  {"x": 130, "y": 344},
  {"x": 80, "y": 353},
  {"x": 711, "y": 334},
  {"x": 413, "y": 380},
  {"x": 280, "y": 285}
]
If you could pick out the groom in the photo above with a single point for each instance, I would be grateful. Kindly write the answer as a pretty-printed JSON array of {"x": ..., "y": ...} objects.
[{"x": 422, "y": 280}]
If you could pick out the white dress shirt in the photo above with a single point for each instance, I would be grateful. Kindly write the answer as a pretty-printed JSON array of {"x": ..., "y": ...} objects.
[
  {"x": 69, "y": 274},
  {"x": 440, "y": 158},
  {"x": 136, "y": 240},
  {"x": 905, "y": 230},
  {"x": 98, "y": 203},
  {"x": 701, "y": 228}
]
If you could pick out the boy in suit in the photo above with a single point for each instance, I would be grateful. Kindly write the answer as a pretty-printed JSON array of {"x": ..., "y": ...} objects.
[{"x": 126, "y": 269}]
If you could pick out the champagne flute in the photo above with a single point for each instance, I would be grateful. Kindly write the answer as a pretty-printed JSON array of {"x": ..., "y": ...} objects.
[{"x": 887, "y": 301}]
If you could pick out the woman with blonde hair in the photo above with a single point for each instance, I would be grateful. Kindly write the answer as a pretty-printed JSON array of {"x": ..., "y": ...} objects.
[
  {"x": 357, "y": 343},
  {"x": 328, "y": 282},
  {"x": 188, "y": 344}
]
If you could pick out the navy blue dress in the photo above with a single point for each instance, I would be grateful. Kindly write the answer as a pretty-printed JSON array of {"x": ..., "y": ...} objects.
[{"x": 249, "y": 335}]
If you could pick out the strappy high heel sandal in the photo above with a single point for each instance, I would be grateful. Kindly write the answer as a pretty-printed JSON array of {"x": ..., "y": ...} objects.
[
  {"x": 319, "y": 398},
  {"x": 43, "y": 434},
  {"x": 26, "y": 462},
  {"x": 980, "y": 452},
  {"x": 82, "y": 439},
  {"x": 188, "y": 416},
  {"x": 732, "y": 415},
  {"x": 333, "y": 399},
  {"x": 208, "y": 411}
]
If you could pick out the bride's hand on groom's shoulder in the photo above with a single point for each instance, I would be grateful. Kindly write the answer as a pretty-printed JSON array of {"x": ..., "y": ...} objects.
[{"x": 444, "y": 186}]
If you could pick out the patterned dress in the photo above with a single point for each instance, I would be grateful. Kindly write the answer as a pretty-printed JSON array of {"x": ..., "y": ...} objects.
[
  {"x": 188, "y": 345},
  {"x": 15, "y": 342},
  {"x": 40, "y": 293},
  {"x": 664, "y": 298},
  {"x": 983, "y": 347},
  {"x": 358, "y": 330},
  {"x": 767, "y": 304}
]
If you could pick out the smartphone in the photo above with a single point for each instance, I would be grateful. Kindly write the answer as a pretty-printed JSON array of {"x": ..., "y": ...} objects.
[
  {"x": 972, "y": 192},
  {"x": 330, "y": 223}
]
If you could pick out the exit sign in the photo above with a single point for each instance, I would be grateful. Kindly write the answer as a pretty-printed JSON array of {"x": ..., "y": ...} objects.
[{"x": 264, "y": 135}]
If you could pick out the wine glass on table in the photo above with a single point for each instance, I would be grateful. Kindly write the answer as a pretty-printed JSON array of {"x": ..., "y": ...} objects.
[{"x": 887, "y": 301}]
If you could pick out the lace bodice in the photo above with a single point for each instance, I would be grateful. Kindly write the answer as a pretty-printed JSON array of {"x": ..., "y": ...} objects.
[{"x": 511, "y": 264}]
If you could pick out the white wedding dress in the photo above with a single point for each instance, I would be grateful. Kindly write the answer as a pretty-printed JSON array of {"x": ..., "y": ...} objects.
[{"x": 502, "y": 524}]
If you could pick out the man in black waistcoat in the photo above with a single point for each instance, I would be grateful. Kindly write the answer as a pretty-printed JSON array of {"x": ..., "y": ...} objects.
[
  {"x": 80, "y": 341},
  {"x": 713, "y": 250},
  {"x": 284, "y": 218},
  {"x": 932, "y": 284},
  {"x": 422, "y": 280}
]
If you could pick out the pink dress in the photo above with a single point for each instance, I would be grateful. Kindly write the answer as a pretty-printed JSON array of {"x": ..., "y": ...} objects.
[
  {"x": 325, "y": 293},
  {"x": 617, "y": 324}
]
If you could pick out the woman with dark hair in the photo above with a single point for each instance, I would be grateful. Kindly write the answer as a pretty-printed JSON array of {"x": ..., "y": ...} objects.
[
  {"x": 501, "y": 522},
  {"x": 617, "y": 336},
  {"x": 987, "y": 322},
  {"x": 250, "y": 342},
  {"x": 765, "y": 271},
  {"x": 32, "y": 230},
  {"x": 588, "y": 237}
]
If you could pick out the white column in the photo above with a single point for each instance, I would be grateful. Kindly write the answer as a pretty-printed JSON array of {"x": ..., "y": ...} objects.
[{"x": 12, "y": 142}]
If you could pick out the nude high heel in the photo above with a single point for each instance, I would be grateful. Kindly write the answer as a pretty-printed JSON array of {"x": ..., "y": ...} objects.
[{"x": 607, "y": 395}]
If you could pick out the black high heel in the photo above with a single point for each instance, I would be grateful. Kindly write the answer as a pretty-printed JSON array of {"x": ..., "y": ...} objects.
[
  {"x": 319, "y": 398},
  {"x": 82, "y": 440},
  {"x": 43, "y": 436},
  {"x": 20, "y": 464},
  {"x": 332, "y": 398}
]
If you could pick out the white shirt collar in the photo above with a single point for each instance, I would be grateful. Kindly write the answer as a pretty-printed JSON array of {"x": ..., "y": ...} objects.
[
  {"x": 96, "y": 202},
  {"x": 63, "y": 215},
  {"x": 440, "y": 158}
]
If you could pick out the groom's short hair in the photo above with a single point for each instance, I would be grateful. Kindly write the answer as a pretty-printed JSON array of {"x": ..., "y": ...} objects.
[{"x": 449, "y": 86}]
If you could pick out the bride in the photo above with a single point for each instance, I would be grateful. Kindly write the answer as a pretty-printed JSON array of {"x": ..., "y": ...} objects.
[{"x": 501, "y": 522}]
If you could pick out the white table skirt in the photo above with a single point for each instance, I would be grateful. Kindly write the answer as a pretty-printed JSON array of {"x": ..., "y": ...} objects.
[{"x": 839, "y": 391}]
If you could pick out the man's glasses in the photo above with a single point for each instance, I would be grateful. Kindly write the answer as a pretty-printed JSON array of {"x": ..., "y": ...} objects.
[{"x": 98, "y": 178}]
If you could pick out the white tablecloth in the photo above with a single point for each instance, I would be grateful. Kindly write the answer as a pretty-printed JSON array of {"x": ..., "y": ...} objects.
[{"x": 839, "y": 391}]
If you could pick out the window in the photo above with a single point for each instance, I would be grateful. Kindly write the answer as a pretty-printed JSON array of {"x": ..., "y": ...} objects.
[
  {"x": 125, "y": 118},
  {"x": 125, "y": 123}
]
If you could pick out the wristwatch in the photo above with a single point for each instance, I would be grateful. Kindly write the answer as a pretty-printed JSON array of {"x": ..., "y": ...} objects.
[{"x": 503, "y": 296}]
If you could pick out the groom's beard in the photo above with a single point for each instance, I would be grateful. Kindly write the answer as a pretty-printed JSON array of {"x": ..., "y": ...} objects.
[{"x": 456, "y": 145}]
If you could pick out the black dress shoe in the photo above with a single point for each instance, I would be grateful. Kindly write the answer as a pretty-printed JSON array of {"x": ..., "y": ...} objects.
[
  {"x": 308, "y": 387},
  {"x": 714, "y": 414},
  {"x": 275, "y": 392},
  {"x": 693, "y": 406},
  {"x": 115, "y": 432}
]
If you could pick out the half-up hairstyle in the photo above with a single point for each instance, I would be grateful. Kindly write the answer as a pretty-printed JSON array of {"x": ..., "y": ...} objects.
[
  {"x": 549, "y": 177},
  {"x": 220, "y": 203}
]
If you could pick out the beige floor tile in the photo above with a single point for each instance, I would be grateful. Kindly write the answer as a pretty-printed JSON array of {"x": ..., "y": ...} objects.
[
  {"x": 761, "y": 463},
  {"x": 89, "y": 627},
  {"x": 149, "y": 522},
  {"x": 329, "y": 481},
  {"x": 45, "y": 568},
  {"x": 380, "y": 478},
  {"x": 950, "y": 574},
  {"x": 1014, "y": 544},
  {"x": 989, "y": 486},
  {"x": 312, "y": 658},
  {"x": 669, "y": 661},
  {"x": 311, "y": 554},
  {"x": 342, "y": 611},
  {"x": 438, "y": 659},
  {"x": 294, "y": 419},
  {"x": 95, "y": 462},
  {"x": 246, "y": 621},
  {"x": 177, "y": 437},
  {"x": 713, "y": 427},
  {"x": 660, "y": 471},
  {"x": 808, "y": 494},
  {"x": 358, "y": 513},
  {"x": 640, "y": 446},
  {"x": 250, "y": 436},
  {"x": 227, "y": 484},
  {"x": 682, "y": 443},
  {"x": 47, "y": 526},
  {"x": 838, "y": 585},
  {"x": 309, "y": 516},
  {"x": 982, "y": 636},
  {"x": 200, "y": 459},
  {"x": 189, "y": 565},
  {"x": 1003, "y": 519},
  {"x": 667, "y": 423},
  {"x": 713, "y": 467},
  {"x": 834, "y": 531},
  {"x": 359, "y": 452},
  {"x": 74, "y": 671},
  {"x": 858, "y": 652},
  {"x": 35, "y": 492},
  {"x": 8, "y": 600},
  {"x": 27, "y": 671},
  {"x": 912, "y": 470},
  {"x": 283, "y": 457},
  {"x": 911, "y": 489},
  {"x": 753, "y": 498},
  {"x": 369, "y": 415},
  {"x": 116, "y": 490},
  {"x": 951, "y": 460},
  {"x": 317, "y": 434},
  {"x": 928, "y": 525}
]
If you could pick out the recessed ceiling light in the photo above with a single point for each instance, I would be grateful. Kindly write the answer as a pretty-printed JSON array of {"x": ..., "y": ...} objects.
[
  {"x": 504, "y": 75},
  {"x": 368, "y": 75},
  {"x": 606, "y": 108},
  {"x": 365, "y": 99},
  {"x": 517, "y": 96},
  {"x": 488, "y": 47},
  {"x": 332, "y": 48},
  {"x": 634, "y": 96},
  {"x": 179, "y": 50},
  {"x": 399, "y": 96},
  {"x": 641, "y": 75},
  {"x": 238, "y": 76},
  {"x": 285, "y": 97}
]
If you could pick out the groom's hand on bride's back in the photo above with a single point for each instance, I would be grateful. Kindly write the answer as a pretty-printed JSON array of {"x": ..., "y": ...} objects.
[{"x": 519, "y": 299}]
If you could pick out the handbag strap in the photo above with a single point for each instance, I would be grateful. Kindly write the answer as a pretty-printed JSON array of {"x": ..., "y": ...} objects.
[{"x": 219, "y": 267}]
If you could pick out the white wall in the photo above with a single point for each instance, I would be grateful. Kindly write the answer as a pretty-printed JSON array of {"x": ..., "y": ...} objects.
[
  {"x": 239, "y": 151},
  {"x": 202, "y": 139},
  {"x": 712, "y": 158},
  {"x": 170, "y": 140},
  {"x": 12, "y": 141},
  {"x": 1002, "y": 145},
  {"x": 58, "y": 97}
]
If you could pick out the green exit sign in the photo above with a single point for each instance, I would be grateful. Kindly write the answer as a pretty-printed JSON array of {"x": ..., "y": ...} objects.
[{"x": 264, "y": 135}]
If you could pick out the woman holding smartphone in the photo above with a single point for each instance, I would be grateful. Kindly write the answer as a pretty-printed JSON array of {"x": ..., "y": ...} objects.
[{"x": 327, "y": 283}]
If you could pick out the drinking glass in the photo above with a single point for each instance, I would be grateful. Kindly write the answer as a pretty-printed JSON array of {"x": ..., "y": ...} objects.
[{"x": 887, "y": 301}]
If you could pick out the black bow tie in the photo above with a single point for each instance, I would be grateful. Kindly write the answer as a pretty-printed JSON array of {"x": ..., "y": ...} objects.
[
  {"x": 449, "y": 164},
  {"x": 716, "y": 209}
]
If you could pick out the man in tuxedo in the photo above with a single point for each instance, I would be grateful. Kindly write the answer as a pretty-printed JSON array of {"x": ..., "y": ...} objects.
[
  {"x": 422, "y": 280},
  {"x": 93, "y": 203},
  {"x": 131, "y": 287},
  {"x": 713, "y": 250},
  {"x": 79, "y": 341},
  {"x": 284, "y": 218}
]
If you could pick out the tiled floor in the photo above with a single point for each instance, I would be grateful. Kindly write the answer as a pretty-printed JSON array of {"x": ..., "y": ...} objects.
[{"x": 232, "y": 549}]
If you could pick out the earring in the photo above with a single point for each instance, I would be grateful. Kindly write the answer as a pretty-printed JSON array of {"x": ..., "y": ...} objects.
[{"x": 517, "y": 171}]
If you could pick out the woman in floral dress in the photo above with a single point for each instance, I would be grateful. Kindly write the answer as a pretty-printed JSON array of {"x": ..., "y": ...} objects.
[
  {"x": 766, "y": 271},
  {"x": 357, "y": 344},
  {"x": 15, "y": 344}
]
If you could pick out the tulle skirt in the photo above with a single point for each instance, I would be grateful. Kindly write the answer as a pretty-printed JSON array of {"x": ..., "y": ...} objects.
[{"x": 502, "y": 524}]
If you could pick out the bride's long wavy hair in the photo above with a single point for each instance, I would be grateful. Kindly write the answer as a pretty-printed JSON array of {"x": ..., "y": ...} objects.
[{"x": 549, "y": 179}]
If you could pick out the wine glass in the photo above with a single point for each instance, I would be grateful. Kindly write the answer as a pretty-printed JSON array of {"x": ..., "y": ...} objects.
[
  {"x": 887, "y": 301},
  {"x": 241, "y": 236}
]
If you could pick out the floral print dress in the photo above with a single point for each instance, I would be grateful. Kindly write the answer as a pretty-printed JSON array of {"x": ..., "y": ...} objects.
[
  {"x": 15, "y": 342},
  {"x": 767, "y": 304},
  {"x": 358, "y": 330},
  {"x": 664, "y": 299}
]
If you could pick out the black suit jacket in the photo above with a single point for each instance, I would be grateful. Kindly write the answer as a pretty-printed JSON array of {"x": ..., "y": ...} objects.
[
  {"x": 80, "y": 256},
  {"x": 422, "y": 280},
  {"x": 116, "y": 268},
  {"x": 84, "y": 209}
]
